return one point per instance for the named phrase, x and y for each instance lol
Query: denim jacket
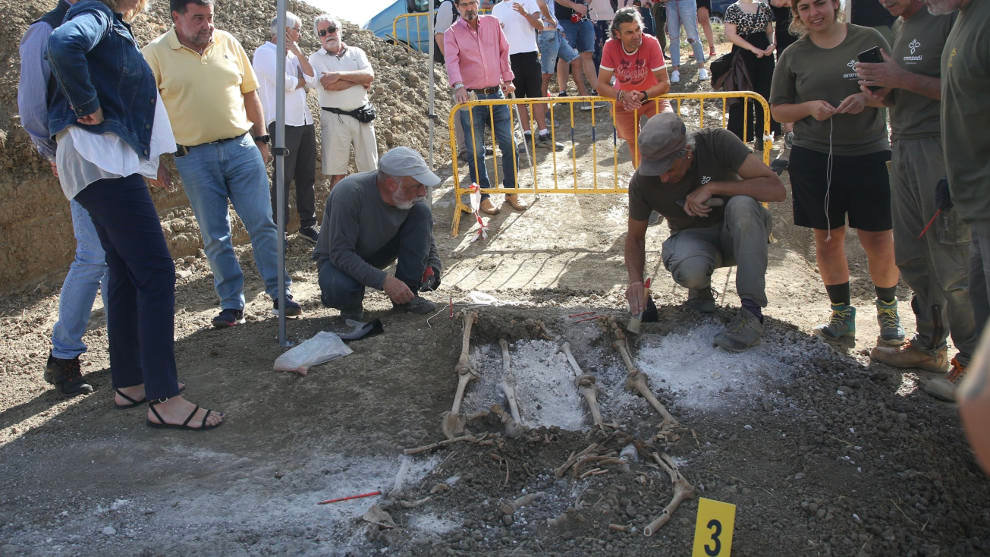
(97, 64)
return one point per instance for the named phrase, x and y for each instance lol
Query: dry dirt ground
(822, 452)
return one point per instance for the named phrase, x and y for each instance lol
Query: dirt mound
(34, 219)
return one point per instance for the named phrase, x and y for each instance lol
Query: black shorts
(528, 80)
(707, 4)
(860, 188)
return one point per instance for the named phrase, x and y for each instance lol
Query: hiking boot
(842, 324)
(309, 233)
(513, 201)
(417, 305)
(944, 388)
(701, 300)
(908, 355)
(292, 309)
(66, 376)
(891, 332)
(744, 332)
(228, 318)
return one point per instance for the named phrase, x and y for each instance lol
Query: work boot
(744, 332)
(66, 376)
(944, 388)
(909, 355)
(417, 305)
(701, 300)
(513, 201)
(841, 325)
(891, 332)
(488, 207)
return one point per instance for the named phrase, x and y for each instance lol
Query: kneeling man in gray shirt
(371, 220)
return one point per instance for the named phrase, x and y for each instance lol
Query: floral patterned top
(747, 23)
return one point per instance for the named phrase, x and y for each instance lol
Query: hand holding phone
(871, 56)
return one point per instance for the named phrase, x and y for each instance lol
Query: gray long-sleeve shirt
(358, 224)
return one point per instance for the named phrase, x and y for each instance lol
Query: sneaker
(908, 355)
(66, 376)
(944, 388)
(562, 94)
(744, 332)
(701, 300)
(309, 233)
(527, 137)
(842, 324)
(891, 332)
(418, 305)
(675, 76)
(544, 140)
(292, 309)
(228, 318)
(702, 74)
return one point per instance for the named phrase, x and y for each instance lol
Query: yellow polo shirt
(204, 95)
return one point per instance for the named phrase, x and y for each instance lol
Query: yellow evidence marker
(713, 528)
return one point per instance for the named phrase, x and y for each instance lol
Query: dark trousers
(141, 292)
(300, 167)
(411, 246)
(761, 72)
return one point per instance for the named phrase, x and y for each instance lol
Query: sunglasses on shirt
(327, 31)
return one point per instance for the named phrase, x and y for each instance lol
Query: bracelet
(618, 96)
(266, 139)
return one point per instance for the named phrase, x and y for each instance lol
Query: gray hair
(291, 20)
(624, 15)
(326, 18)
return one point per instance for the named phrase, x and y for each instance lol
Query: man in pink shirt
(636, 61)
(477, 55)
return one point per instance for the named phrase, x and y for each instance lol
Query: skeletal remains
(453, 421)
(636, 379)
(585, 383)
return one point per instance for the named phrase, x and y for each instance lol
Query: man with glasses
(300, 135)
(345, 76)
(477, 54)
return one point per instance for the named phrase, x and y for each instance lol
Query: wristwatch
(266, 139)
(458, 85)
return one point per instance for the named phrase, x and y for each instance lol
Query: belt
(183, 150)
(485, 90)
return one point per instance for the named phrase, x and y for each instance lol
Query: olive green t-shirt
(917, 48)
(806, 72)
(966, 111)
(718, 154)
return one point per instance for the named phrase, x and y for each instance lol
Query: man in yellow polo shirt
(210, 91)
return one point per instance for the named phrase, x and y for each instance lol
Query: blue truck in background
(413, 31)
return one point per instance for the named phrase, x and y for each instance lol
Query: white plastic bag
(323, 347)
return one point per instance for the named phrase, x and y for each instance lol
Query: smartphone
(871, 56)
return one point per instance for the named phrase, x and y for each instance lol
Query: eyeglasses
(327, 31)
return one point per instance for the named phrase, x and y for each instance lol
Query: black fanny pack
(363, 114)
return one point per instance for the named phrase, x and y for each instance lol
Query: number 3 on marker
(713, 529)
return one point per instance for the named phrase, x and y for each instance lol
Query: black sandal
(132, 403)
(161, 424)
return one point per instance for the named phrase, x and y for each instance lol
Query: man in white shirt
(300, 135)
(519, 20)
(345, 76)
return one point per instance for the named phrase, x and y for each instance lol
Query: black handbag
(363, 114)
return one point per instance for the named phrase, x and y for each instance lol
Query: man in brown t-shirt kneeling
(709, 187)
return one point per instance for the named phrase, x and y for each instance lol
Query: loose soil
(821, 451)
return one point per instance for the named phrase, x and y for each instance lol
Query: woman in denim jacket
(111, 127)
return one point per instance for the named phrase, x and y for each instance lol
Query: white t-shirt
(520, 34)
(444, 17)
(601, 10)
(352, 59)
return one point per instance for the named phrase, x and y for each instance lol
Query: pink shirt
(478, 59)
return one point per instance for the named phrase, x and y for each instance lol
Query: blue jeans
(232, 169)
(683, 12)
(553, 44)
(141, 292)
(503, 135)
(411, 246)
(87, 272)
(580, 35)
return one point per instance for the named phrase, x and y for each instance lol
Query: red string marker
(337, 500)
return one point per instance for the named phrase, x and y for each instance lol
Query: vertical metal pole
(430, 67)
(279, 152)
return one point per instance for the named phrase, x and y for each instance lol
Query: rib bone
(585, 384)
(683, 490)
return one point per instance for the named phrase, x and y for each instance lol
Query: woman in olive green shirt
(838, 162)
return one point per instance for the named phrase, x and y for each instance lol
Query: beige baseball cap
(661, 141)
(403, 161)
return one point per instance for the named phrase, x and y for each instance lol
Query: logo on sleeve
(913, 46)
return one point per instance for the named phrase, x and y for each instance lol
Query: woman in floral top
(749, 27)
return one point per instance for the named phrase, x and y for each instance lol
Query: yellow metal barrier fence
(422, 26)
(615, 186)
